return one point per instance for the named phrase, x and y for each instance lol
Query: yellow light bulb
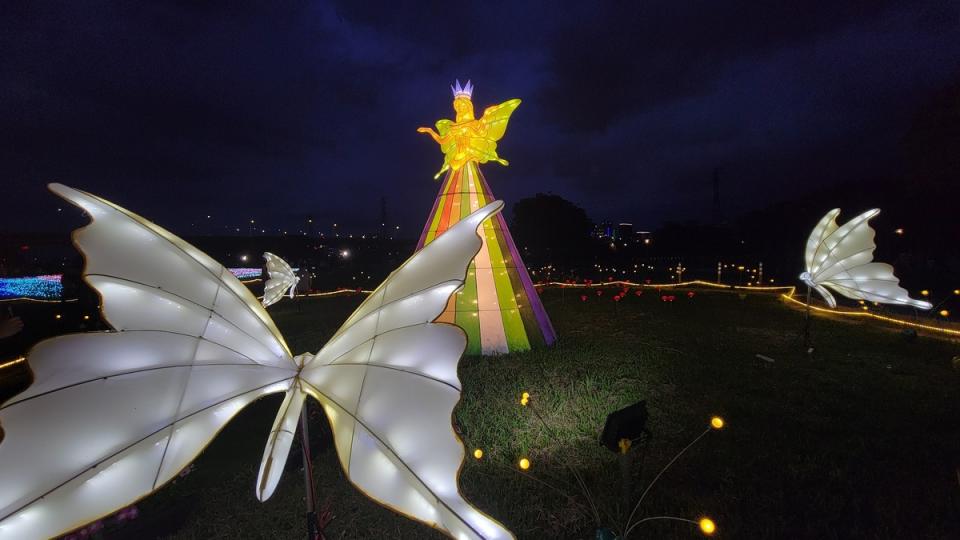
(525, 395)
(925, 293)
(707, 526)
(956, 291)
(58, 315)
(716, 422)
(478, 453)
(944, 313)
(524, 463)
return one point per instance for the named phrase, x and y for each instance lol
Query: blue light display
(49, 287)
(46, 287)
(245, 273)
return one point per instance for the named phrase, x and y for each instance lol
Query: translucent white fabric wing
(113, 416)
(388, 382)
(840, 258)
(282, 279)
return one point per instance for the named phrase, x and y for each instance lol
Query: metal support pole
(806, 325)
(313, 531)
(625, 484)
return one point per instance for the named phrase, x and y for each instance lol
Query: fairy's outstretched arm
(433, 134)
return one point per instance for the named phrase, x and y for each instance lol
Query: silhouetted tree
(549, 229)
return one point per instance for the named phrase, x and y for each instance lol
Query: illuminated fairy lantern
(113, 416)
(840, 258)
(499, 308)
(282, 280)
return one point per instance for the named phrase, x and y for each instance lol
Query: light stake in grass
(706, 525)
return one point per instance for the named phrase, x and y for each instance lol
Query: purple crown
(462, 91)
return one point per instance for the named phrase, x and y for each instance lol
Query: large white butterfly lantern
(113, 416)
(840, 258)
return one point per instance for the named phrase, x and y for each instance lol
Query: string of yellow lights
(788, 294)
(13, 362)
(869, 315)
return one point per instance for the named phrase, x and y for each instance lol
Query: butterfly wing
(495, 118)
(282, 279)
(815, 253)
(113, 416)
(843, 262)
(388, 383)
(873, 282)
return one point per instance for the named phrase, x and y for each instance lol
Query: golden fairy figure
(469, 139)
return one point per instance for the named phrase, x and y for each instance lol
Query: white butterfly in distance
(113, 416)
(282, 280)
(841, 258)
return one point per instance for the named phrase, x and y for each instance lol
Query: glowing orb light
(707, 526)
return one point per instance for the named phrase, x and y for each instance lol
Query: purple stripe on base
(433, 211)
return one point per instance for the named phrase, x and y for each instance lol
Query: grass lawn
(860, 441)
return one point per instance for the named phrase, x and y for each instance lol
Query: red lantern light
(690, 294)
(599, 292)
(583, 298)
(638, 292)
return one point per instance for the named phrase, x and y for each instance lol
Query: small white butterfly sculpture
(282, 280)
(841, 258)
(113, 416)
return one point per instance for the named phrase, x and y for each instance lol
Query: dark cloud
(278, 110)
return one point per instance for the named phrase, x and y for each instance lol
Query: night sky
(276, 110)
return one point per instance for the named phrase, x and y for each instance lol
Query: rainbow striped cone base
(498, 308)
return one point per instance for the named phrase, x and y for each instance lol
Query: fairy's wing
(843, 262)
(282, 279)
(495, 118)
(443, 126)
(388, 382)
(112, 416)
(449, 147)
